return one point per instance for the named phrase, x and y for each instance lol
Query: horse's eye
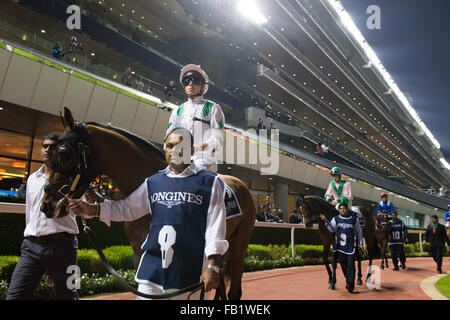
(65, 157)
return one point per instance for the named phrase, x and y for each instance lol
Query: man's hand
(90, 196)
(406, 241)
(210, 278)
(80, 207)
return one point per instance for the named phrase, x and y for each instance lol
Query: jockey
(447, 217)
(203, 118)
(385, 207)
(339, 189)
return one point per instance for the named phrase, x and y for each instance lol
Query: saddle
(358, 214)
(231, 204)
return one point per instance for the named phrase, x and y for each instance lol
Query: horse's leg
(235, 264)
(358, 257)
(370, 252)
(136, 232)
(326, 251)
(385, 255)
(334, 266)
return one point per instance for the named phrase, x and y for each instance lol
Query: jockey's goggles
(195, 80)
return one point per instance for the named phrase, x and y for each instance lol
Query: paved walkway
(311, 283)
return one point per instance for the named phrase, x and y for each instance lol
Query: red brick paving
(311, 283)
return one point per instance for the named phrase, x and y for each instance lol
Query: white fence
(302, 226)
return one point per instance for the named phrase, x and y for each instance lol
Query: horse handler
(49, 244)
(398, 235)
(348, 230)
(187, 233)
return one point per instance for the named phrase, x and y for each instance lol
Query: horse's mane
(326, 208)
(141, 142)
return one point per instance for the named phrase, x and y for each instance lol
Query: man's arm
(215, 243)
(405, 231)
(217, 123)
(331, 226)
(444, 235)
(379, 208)
(427, 233)
(391, 207)
(347, 191)
(329, 192)
(133, 207)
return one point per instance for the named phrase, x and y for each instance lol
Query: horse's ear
(63, 121)
(68, 119)
(299, 201)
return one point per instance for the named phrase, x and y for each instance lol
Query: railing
(19, 208)
(314, 227)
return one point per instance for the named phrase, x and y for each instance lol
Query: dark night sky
(413, 44)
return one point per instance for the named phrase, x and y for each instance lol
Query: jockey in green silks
(203, 118)
(339, 189)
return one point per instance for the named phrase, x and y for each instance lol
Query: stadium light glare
(249, 9)
(347, 21)
(445, 163)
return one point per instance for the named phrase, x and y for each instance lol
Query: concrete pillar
(280, 200)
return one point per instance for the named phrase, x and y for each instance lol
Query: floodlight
(249, 9)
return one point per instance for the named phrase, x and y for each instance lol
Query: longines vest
(345, 234)
(174, 249)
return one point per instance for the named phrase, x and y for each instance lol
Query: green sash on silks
(340, 188)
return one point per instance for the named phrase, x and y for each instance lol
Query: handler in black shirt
(437, 237)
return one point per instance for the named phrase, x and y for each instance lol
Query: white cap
(195, 67)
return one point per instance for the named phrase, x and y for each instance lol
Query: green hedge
(12, 226)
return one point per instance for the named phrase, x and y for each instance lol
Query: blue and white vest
(174, 249)
(345, 234)
(396, 232)
(385, 206)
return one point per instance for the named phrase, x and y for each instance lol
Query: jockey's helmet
(193, 70)
(336, 171)
(383, 194)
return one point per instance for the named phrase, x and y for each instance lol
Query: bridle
(79, 169)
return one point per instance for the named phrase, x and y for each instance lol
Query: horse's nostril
(44, 207)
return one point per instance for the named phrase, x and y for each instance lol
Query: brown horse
(382, 235)
(311, 207)
(128, 159)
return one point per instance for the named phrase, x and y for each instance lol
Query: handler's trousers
(397, 252)
(437, 252)
(54, 256)
(347, 262)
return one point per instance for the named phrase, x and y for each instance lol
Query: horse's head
(71, 166)
(306, 211)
